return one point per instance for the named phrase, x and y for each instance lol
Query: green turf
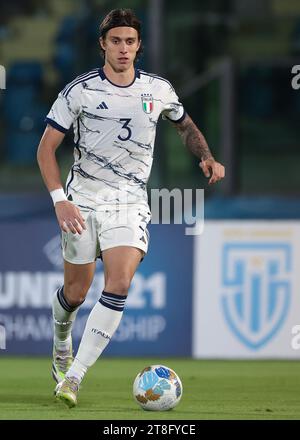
(212, 390)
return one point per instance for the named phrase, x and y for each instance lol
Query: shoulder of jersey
(152, 77)
(80, 80)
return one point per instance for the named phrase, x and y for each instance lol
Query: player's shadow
(28, 400)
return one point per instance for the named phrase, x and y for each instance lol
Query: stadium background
(231, 292)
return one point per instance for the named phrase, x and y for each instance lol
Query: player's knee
(75, 293)
(118, 285)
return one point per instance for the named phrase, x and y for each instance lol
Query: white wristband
(58, 195)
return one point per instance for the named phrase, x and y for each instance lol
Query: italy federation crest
(147, 102)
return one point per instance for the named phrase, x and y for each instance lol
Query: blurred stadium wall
(230, 63)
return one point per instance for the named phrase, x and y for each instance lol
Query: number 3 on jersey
(125, 127)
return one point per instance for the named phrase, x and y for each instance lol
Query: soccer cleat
(62, 360)
(67, 390)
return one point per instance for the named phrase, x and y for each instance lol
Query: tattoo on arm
(193, 139)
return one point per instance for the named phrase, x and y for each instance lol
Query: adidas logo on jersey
(102, 106)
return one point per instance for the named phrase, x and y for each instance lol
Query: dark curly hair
(120, 17)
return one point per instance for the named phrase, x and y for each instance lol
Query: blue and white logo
(256, 290)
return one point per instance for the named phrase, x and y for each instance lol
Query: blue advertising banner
(157, 315)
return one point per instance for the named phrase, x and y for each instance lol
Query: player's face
(121, 45)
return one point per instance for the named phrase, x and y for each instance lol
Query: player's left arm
(194, 140)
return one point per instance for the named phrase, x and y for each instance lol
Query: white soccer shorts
(105, 230)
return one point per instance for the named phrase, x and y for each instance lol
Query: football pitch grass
(211, 390)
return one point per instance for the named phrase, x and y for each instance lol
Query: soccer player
(104, 209)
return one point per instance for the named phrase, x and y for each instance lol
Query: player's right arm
(68, 215)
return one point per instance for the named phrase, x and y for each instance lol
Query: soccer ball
(157, 388)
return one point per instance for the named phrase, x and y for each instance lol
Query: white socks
(63, 316)
(101, 324)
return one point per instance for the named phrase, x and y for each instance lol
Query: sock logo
(100, 332)
(62, 322)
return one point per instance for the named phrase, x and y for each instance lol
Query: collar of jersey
(103, 77)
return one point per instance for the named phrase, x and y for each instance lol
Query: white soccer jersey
(114, 130)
